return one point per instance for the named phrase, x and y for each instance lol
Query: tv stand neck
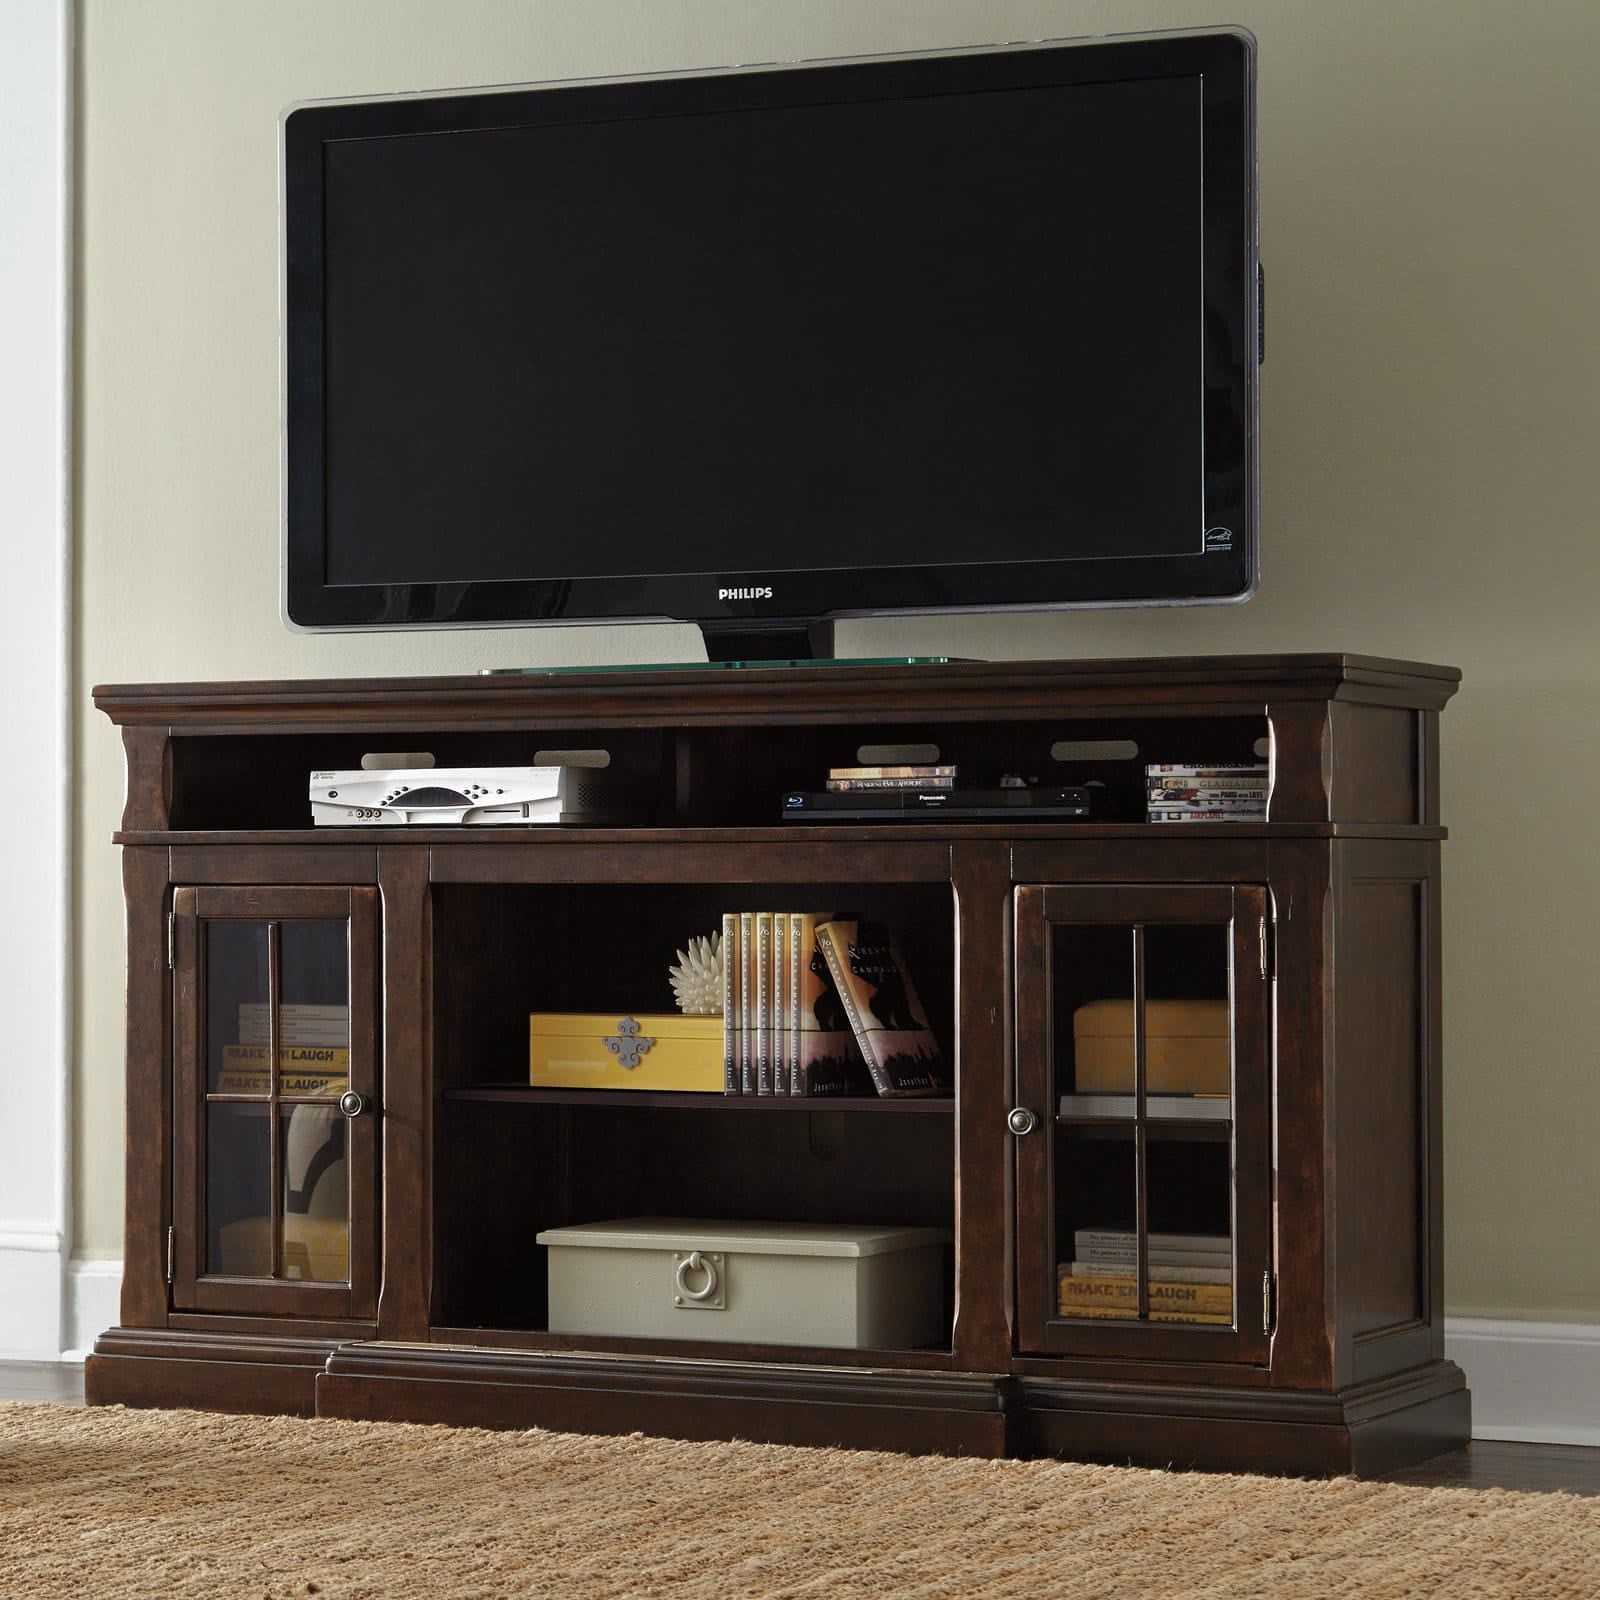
(740, 639)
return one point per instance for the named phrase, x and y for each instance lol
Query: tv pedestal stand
(761, 643)
(417, 1292)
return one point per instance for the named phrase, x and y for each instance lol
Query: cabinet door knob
(1021, 1121)
(353, 1103)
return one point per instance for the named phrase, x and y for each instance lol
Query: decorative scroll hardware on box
(697, 1281)
(631, 1045)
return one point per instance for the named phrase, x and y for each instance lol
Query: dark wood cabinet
(1190, 1168)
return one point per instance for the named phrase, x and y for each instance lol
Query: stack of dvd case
(1222, 792)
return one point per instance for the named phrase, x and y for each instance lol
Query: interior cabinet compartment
(503, 1172)
(732, 775)
(511, 1161)
(738, 777)
(243, 781)
(503, 951)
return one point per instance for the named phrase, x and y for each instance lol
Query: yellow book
(1122, 1294)
(303, 1069)
(1219, 1319)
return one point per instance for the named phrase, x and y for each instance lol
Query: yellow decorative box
(1186, 1051)
(643, 1050)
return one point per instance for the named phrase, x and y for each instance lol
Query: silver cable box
(432, 797)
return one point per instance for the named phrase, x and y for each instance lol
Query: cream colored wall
(1431, 420)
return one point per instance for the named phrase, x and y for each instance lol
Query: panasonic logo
(744, 594)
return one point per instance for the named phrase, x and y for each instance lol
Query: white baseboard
(1537, 1381)
(94, 1299)
(30, 1293)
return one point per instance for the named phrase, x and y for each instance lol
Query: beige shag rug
(112, 1504)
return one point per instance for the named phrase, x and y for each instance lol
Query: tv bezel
(1223, 60)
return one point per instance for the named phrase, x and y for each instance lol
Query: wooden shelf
(521, 1093)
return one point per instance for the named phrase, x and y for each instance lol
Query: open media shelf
(1183, 1204)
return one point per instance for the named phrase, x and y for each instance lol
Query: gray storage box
(825, 1284)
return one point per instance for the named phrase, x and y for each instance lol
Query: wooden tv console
(1315, 933)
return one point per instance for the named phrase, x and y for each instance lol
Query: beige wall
(1431, 421)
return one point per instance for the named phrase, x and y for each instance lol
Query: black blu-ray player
(1040, 803)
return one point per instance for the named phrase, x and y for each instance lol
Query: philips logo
(744, 594)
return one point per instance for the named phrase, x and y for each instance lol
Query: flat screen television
(768, 346)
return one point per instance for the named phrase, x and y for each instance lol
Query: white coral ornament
(697, 978)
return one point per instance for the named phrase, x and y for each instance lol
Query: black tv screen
(961, 331)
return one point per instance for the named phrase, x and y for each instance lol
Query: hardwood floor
(1487, 1464)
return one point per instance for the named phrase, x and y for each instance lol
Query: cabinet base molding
(919, 1413)
(265, 1373)
(1366, 1429)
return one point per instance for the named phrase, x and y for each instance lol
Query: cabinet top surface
(963, 687)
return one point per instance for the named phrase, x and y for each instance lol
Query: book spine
(1218, 1319)
(762, 1022)
(1238, 783)
(322, 1057)
(747, 1060)
(730, 1003)
(834, 959)
(1216, 769)
(1123, 1293)
(917, 773)
(1208, 816)
(795, 995)
(779, 1018)
(856, 785)
(1207, 797)
(302, 1070)
(1205, 1244)
(1123, 1269)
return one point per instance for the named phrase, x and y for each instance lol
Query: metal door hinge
(169, 1254)
(172, 938)
(1266, 1301)
(1268, 943)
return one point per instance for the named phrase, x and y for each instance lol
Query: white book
(1188, 1243)
(1157, 1274)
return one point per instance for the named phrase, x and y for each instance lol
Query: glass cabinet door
(1143, 1155)
(274, 1206)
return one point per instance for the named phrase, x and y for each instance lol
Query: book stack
(313, 1051)
(1175, 792)
(816, 1004)
(850, 780)
(1190, 1276)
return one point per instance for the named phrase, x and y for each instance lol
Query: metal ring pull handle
(695, 1262)
(352, 1103)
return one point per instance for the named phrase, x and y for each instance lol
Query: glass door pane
(1133, 1008)
(316, 1195)
(238, 995)
(238, 1178)
(278, 1057)
(1097, 1212)
(314, 1013)
(275, 1078)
